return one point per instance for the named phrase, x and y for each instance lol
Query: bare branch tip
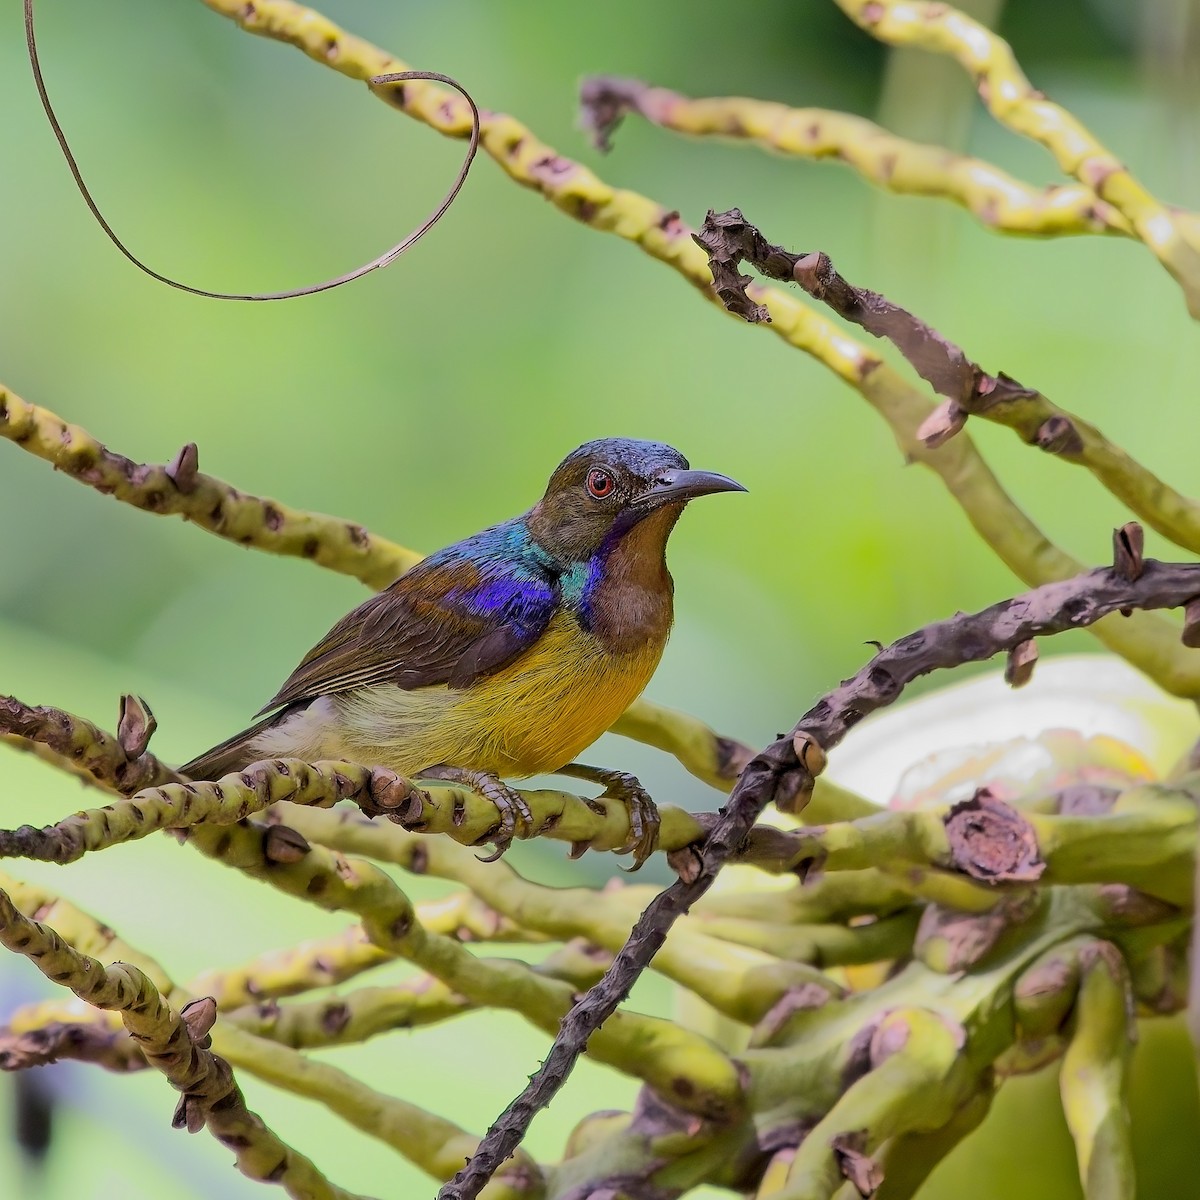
(200, 1016)
(184, 467)
(135, 726)
(604, 101)
(284, 845)
(1058, 435)
(1018, 668)
(992, 842)
(946, 420)
(809, 751)
(1128, 545)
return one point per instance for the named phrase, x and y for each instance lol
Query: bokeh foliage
(432, 398)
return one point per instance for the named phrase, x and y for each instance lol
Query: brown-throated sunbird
(507, 653)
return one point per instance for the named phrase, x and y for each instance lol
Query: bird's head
(608, 487)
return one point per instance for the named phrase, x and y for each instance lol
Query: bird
(506, 654)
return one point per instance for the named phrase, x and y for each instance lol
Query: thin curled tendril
(326, 285)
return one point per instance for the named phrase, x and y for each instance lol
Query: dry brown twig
(783, 775)
(729, 240)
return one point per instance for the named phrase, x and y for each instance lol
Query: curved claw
(644, 826)
(516, 818)
(501, 844)
(644, 821)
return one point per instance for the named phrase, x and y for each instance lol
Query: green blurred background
(433, 398)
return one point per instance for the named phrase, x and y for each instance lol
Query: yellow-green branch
(178, 489)
(998, 200)
(291, 970)
(183, 805)
(1014, 102)
(740, 981)
(1094, 1073)
(366, 1012)
(77, 745)
(208, 1093)
(707, 755)
(916, 1088)
(464, 815)
(1147, 841)
(969, 390)
(648, 1048)
(432, 1143)
(1150, 643)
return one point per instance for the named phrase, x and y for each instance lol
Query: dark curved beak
(674, 487)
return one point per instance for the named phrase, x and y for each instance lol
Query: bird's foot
(644, 821)
(516, 819)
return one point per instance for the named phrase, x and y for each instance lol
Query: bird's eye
(600, 484)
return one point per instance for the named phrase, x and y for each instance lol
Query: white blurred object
(1081, 718)
(1095, 695)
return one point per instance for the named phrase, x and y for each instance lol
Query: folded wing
(450, 620)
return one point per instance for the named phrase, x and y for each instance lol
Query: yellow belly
(533, 716)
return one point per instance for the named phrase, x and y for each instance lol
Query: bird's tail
(233, 754)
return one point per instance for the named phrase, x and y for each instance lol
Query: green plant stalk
(805, 1044)
(682, 1067)
(649, 1048)
(1147, 841)
(183, 805)
(339, 957)
(244, 996)
(916, 1089)
(209, 1095)
(1147, 641)
(889, 937)
(432, 1143)
(469, 817)
(1015, 103)
(909, 1160)
(1031, 415)
(798, 1077)
(366, 1012)
(774, 922)
(738, 981)
(202, 500)
(463, 815)
(1093, 1075)
(418, 1135)
(707, 755)
(820, 899)
(600, 824)
(995, 198)
(292, 970)
(166, 800)
(1193, 977)
(1170, 512)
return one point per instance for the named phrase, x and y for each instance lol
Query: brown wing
(449, 621)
